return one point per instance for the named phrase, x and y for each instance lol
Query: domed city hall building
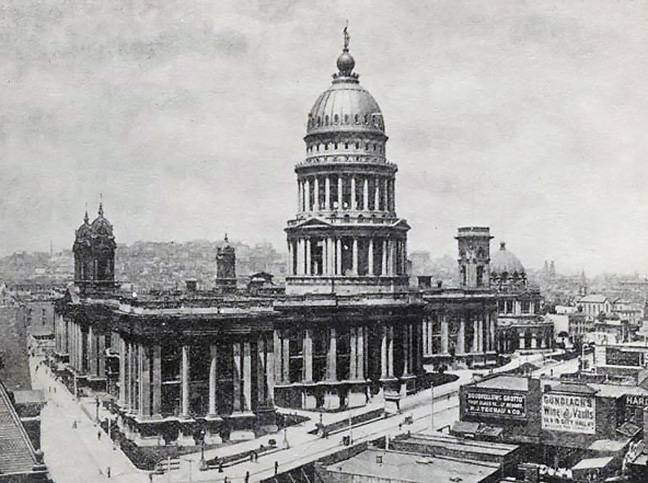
(196, 366)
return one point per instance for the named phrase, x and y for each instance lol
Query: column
(385, 194)
(285, 343)
(331, 360)
(365, 194)
(492, 331)
(289, 271)
(331, 255)
(236, 378)
(316, 203)
(213, 358)
(122, 372)
(353, 356)
(406, 349)
(271, 362)
(475, 343)
(390, 353)
(339, 192)
(308, 256)
(145, 381)
(327, 193)
(370, 256)
(384, 270)
(376, 194)
(277, 356)
(184, 410)
(361, 353)
(444, 334)
(307, 202)
(101, 356)
(353, 193)
(308, 355)
(427, 336)
(157, 380)
(247, 376)
(461, 335)
(338, 255)
(354, 268)
(262, 395)
(92, 353)
(383, 353)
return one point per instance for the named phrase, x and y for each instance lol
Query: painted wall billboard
(496, 404)
(567, 412)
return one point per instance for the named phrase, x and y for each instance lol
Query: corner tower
(346, 236)
(94, 252)
(474, 256)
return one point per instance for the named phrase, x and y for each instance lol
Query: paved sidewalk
(76, 455)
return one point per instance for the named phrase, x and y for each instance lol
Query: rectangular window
(525, 306)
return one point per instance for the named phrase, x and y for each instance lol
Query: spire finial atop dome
(100, 211)
(502, 245)
(226, 240)
(345, 61)
(86, 218)
(347, 37)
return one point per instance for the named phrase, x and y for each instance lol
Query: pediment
(313, 222)
(401, 223)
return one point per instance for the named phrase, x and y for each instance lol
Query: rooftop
(511, 383)
(589, 463)
(16, 451)
(408, 467)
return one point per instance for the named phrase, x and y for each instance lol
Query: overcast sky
(530, 117)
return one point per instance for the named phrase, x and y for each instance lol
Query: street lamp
(203, 463)
(431, 405)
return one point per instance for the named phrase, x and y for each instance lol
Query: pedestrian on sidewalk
(247, 477)
(74, 424)
(99, 435)
(276, 467)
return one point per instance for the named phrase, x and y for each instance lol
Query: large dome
(504, 261)
(345, 106)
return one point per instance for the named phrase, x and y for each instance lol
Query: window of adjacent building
(525, 306)
(509, 306)
(480, 276)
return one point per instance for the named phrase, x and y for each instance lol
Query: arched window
(326, 120)
(366, 118)
(374, 146)
(319, 121)
(336, 119)
(346, 119)
(326, 146)
(346, 145)
(357, 145)
(336, 146)
(356, 119)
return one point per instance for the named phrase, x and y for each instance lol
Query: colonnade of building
(525, 338)
(468, 333)
(349, 255)
(363, 192)
(314, 360)
(84, 347)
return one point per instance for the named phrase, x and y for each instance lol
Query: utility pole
(432, 405)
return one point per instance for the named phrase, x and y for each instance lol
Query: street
(93, 456)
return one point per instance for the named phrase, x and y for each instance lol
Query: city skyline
(524, 118)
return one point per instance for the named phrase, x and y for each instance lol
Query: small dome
(504, 261)
(101, 225)
(84, 232)
(345, 63)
